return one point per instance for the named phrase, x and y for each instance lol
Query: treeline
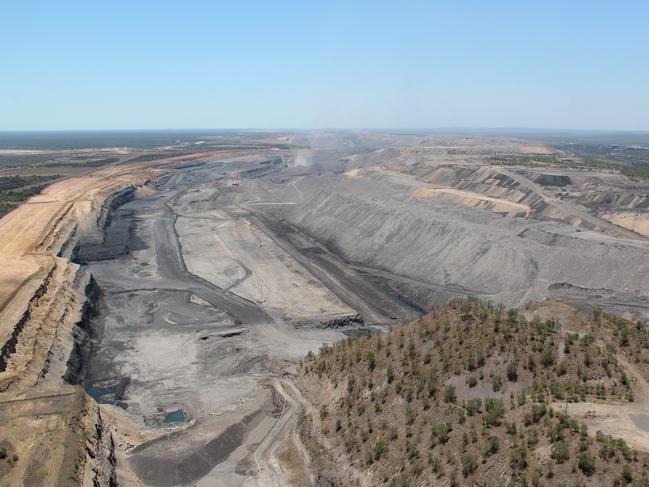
(633, 171)
(16, 189)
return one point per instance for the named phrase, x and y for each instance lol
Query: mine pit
(209, 287)
(185, 295)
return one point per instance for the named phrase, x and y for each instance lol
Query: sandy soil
(637, 222)
(470, 199)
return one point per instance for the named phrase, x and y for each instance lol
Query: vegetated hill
(475, 395)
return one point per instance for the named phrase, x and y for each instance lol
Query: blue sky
(346, 64)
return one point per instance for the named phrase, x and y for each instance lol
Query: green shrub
(449, 394)
(587, 463)
(547, 357)
(473, 406)
(518, 457)
(493, 445)
(390, 374)
(538, 411)
(497, 383)
(379, 449)
(436, 465)
(469, 464)
(440, 433)
(494, 411)
(627, 474)
(432, 385)
(560, 452)
(512, 371)
(371, 361)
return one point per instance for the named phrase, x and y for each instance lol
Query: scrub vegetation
(16, 189)
(638, 171)
(473, 394)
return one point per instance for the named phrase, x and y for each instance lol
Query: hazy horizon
(440, 129)
(371, 65)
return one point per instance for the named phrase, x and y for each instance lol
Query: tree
(495, 410)
(440, 432)
(587, 463)
(493, 444)
(547, 357)
(379, 449)
(390, 374)
(473, 406)
(560, 452)
(449, 393)
(432, 385)
(512, 371)
(627, 474)
(518, 457)
(469, 464)
(371, 362)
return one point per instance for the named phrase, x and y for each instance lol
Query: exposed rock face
(42, 344)
(82, 335)
(59, 437)
(54, 429)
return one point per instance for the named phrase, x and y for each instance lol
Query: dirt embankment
(53, 433)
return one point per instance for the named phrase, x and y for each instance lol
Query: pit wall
(47, 351)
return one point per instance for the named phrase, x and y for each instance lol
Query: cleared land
(181, 285)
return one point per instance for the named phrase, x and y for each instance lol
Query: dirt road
(271, 471)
